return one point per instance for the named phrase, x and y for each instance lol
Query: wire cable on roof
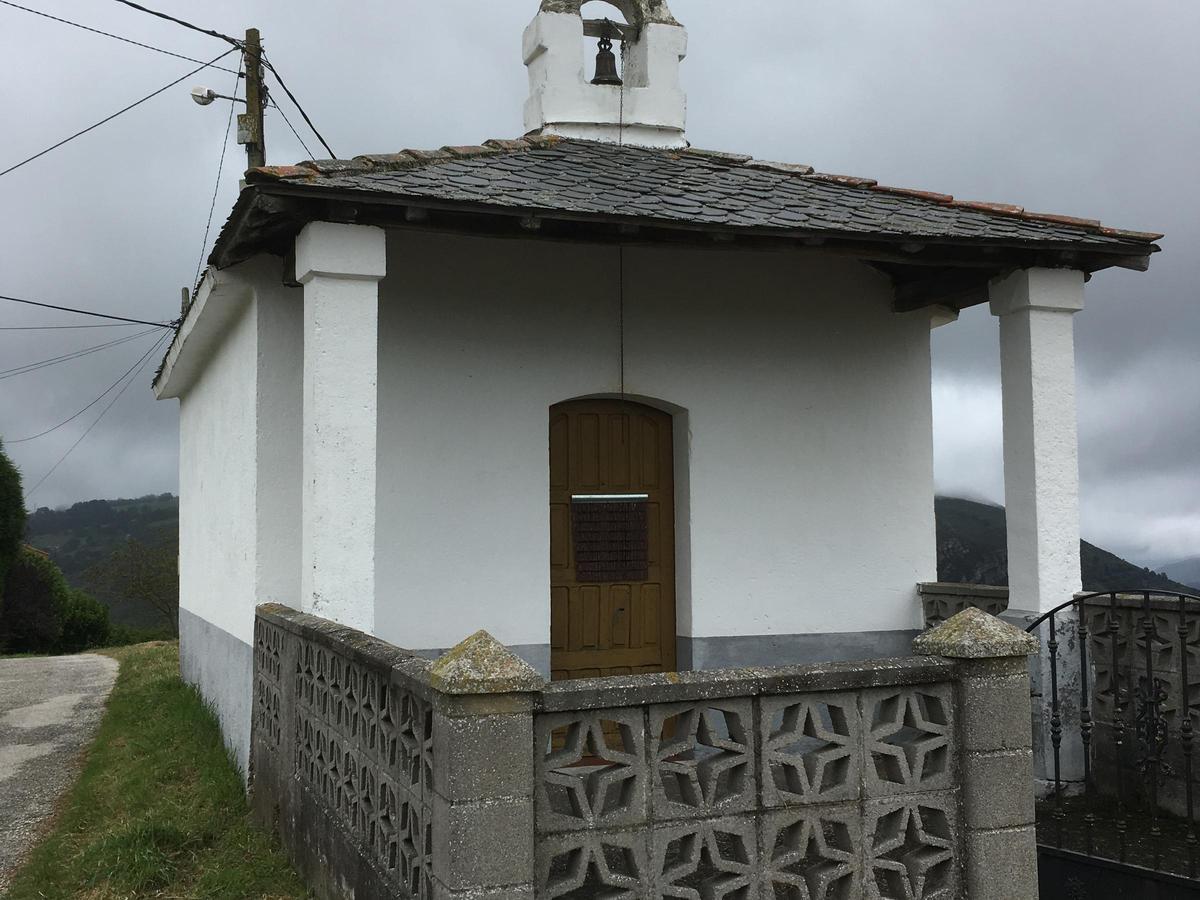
(104, 394)
(216, 187)
(165, 87)
(95, 421)
(68, 357)
(87, 312)
(162, 15)
(296, 103)
(108, 34)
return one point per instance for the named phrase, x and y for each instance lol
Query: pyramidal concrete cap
(973, 634)
(482, 665)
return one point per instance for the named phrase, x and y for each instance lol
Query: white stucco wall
(217, 481)
(807, 497)
(239, 386)
(239, 467)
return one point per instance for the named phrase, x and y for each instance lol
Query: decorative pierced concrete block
(813, 854)
(590, 769)
(910, 744)
(594, 864)
(911, 848)
(703, 757)
(810, 748)
(713, 859)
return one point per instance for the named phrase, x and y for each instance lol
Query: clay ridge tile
(261, 174)
(1148, 236)
(847, 180)
(932, 196)
(1003, 209)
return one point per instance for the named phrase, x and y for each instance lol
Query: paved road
(49, 710)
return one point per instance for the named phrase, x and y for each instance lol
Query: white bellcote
(648, 109)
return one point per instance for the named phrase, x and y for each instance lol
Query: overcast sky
(1084, 107)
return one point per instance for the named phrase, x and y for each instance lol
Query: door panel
(611, 624)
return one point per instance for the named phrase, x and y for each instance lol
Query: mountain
(971, 539)
(82, 535)
(973, 548)
(1185, 570)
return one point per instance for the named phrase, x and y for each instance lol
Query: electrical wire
(162, 15)
(67, 357)
(286, 121)
(95, 421)
(295, 102)
(106, 392)
(216, 187)
(87, 312)
(108, 34)
(56, 327)
(114, 115)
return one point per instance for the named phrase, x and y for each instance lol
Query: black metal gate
(1119, 683)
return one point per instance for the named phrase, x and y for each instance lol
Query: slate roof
(693, 188)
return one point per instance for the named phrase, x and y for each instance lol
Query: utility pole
(250, 123)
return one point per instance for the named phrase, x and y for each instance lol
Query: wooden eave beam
(955, 288)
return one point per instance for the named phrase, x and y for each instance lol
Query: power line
(287, 122)
(95, 422)
(108, 34)
(106, 392)
(216, 187)
(117, 113)
(56, 327)
(87, 312)
(67, 357)
(162, 15)
(295, 102)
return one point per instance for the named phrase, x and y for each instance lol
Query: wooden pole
(250, 123)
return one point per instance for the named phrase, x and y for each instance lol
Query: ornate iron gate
(1120, 686)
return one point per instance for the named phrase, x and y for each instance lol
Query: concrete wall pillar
(482, 805)
(1041, 458)
(340, 267)
(999, 839)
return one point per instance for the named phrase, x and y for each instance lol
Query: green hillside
(970, 537)
(972, 548)
(87, 533)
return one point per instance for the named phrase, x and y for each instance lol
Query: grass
(158, 810)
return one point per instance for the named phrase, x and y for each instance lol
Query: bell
(606, 64)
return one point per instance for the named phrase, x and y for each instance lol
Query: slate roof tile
(695, 186)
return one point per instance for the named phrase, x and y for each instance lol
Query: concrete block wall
(387, 775)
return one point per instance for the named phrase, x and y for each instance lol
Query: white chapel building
(628, 405)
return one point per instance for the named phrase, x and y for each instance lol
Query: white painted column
(1041, 454)
(340, 267)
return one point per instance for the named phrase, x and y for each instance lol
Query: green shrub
(34, 604)
(12, 515)
(85, 624)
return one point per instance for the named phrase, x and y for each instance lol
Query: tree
(12, 514)
(35, 602)
(143, 573)
(85, 624)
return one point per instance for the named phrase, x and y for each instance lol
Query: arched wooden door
(612, 540)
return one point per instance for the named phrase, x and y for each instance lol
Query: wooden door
(612, 540)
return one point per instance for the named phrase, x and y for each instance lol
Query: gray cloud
(1073, 106)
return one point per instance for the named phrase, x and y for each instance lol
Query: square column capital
(1051, 289)
(335, 250)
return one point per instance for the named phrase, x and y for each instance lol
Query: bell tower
(640, 102)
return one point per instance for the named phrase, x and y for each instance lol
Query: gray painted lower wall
(222, 669)
(790, 649)
(754, 650)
